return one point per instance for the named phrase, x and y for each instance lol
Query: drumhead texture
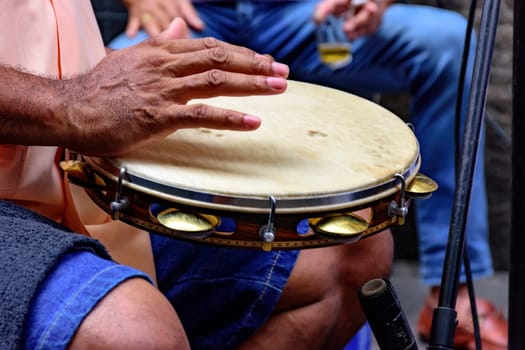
(313, 141)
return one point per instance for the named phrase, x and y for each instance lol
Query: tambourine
(320, 159)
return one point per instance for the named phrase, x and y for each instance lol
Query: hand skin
(364, 21)
(136, 95)
(155, 15)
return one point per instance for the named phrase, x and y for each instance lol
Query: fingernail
(275, 83)
(280, 69)
(251, 122)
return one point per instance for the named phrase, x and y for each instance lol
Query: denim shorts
(67, 295)
(222, 295)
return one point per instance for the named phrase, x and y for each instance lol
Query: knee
(370, 258)
(435, 34)
(448, 40)
(135, 315)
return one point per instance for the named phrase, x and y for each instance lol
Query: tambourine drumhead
(317, 149)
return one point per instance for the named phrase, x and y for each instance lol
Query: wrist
(30, 109)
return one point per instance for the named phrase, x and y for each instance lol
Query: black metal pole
(517, 238)
(444, 320)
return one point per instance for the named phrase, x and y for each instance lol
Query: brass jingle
(188, 224)
(421, 186)
(347, 227)
(82, 174)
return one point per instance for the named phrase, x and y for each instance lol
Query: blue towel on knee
(30, 245)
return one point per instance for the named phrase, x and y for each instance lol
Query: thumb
(177, 29)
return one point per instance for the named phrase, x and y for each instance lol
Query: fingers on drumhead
(203, 115)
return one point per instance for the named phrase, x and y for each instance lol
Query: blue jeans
(72, 289)
(416, 50)
(222, 295)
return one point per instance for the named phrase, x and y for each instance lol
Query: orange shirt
(53, 38)
(58, 39)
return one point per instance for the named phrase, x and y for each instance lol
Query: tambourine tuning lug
(120, 203)
(267, 232)
(118, 207)
(267, 235)
(400, 211)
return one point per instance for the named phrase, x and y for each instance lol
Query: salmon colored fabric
(57, 39)
(52, 38)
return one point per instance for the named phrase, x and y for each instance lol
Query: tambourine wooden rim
(285, 205)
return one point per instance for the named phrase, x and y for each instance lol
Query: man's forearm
(30, 109)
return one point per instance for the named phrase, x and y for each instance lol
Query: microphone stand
(444, 317)
(517, 239)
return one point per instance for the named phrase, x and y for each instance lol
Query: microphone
(387, 320)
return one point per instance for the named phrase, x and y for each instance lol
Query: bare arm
(136, 95)
(31, 109)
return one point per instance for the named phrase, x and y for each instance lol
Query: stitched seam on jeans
(237, 278)
(72, 298)
(250, 310)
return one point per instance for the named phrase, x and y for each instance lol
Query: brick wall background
(498, 131)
